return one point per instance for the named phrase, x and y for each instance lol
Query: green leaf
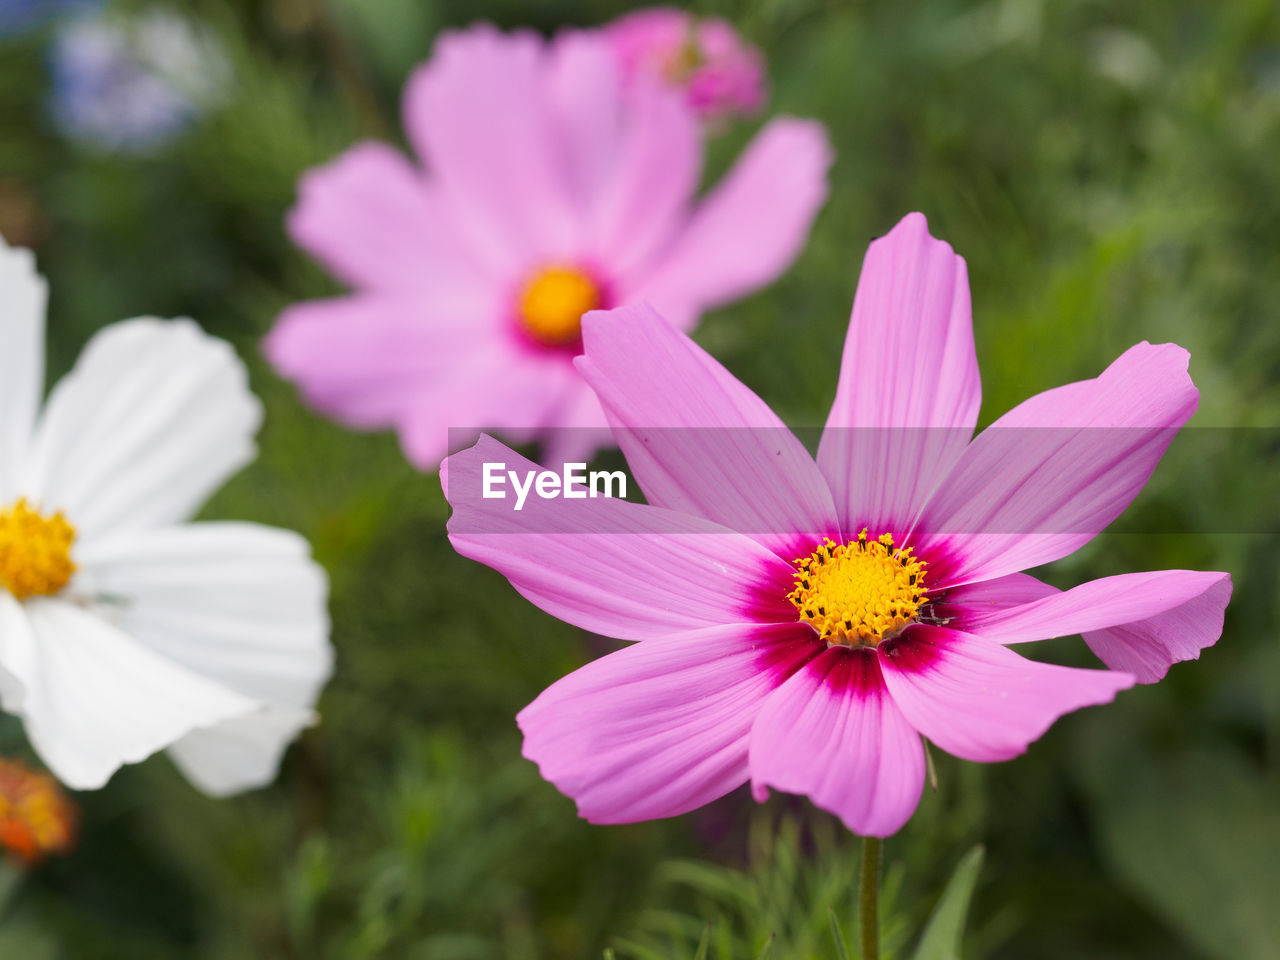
(837, 934)
(704, 944)
(767, 949)
(945, 930)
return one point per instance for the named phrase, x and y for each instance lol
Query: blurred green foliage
(1109, 172)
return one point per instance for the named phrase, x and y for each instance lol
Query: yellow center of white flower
(35, 551)
(859, 593)
(552, 304)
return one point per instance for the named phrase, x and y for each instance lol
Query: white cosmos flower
(125, 629)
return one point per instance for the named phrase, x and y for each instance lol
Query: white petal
(17, 652)
(239, 603)
(22, 301)
(241, 754)
(100, 699)
(153, 418)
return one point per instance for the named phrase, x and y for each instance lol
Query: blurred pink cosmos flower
(548, 190)
(803, 625)
(704, 57)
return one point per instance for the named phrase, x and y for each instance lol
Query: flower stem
(870, 925)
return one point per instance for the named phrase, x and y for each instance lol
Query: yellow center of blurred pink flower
(35, 551)
(684, 60)
(861, 592)
(552, 304)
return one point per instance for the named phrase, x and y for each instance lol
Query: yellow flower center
(859, 593)
(35, 551)
(684, 60)
(553, 302)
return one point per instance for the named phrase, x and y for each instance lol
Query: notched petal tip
(600, 324)
(910, 237)
(1148, 648)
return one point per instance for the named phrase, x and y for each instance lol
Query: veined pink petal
(621, 569)
(698, 440)
(974, 603)
(1047, 477)
(909, 387)
(833, 733)
(1147, 648)
(1139, 623)
(979, 700)
(479, 114)
(660, 728)
(374, 221)
(750, 228)
(1098, 604)
(645, 202)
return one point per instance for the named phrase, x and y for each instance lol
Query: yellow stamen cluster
(35, 551)
(684, 60)
(36, 818)
(552, 304)
(859, 593)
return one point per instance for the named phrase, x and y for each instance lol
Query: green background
(1109, 171)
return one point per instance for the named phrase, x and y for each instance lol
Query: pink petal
(367, 358)
(909, 388)
(733, 79)
(582, 429)
(479, 114)
(377, 360)
(374, 221)
(751, 227)
(1098, 604)
(645, 203)
(620, 569)
(979, 700)
(1147, 648)
(974, 603)
(1052, 473)
(661, 727)
(585, 91)
(833, 733)
(1140, 623)
(730, 78)
(518, 394)
(699, 441)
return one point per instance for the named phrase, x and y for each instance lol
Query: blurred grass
(1108, 171)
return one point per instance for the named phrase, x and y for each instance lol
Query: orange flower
(36, 816)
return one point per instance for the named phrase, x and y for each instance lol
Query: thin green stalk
(870, 898)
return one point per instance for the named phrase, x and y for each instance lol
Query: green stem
(871, 898)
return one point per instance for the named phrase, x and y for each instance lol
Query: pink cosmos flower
(705, 57)
(802, 625)
(547, 190)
